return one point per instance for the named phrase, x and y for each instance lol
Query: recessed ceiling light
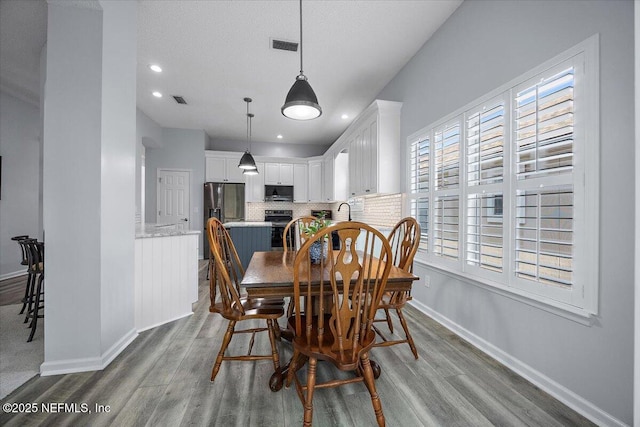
(157, 94)
(344, 116)
(279, 136)
(155, 68)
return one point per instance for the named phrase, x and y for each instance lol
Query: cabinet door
(370, 174)
(272, 173)
(300, 188)
(286, 174)
(329, 194)
(355, 165)
(234, 173)
(315, 181)
(254, 191)
(215, 169)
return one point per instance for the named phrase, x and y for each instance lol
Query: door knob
(185, 219)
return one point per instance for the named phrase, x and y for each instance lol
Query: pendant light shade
(301, 102)
(246, 161)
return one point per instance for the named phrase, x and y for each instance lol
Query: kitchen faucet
(345, 203)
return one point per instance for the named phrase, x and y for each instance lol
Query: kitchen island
(249, 237)
(166, 274)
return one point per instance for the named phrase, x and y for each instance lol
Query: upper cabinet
(315, 180)
(254, 190)
(278, 174)
(373, 143)
(223, 167)
(300, 177)
(328, 187)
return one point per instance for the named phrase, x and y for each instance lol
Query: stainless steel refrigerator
(224, 201)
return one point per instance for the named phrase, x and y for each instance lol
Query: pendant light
(246, 162)
(301, 102)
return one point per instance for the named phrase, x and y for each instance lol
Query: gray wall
(268, 149)
(482, 46)
(181, 149)
(20, 208)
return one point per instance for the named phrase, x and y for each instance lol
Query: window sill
(566, 311)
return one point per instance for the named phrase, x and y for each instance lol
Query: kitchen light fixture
(157, 94)
(344, 116)
(301, 102)
(246, 162)
(156, 68)
(279, 136)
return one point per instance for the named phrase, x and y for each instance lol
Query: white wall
(148, 134)
(181, 149)
(20, 206)
(89, 183)
(482, 46)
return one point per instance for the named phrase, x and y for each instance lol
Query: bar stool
(28, 289)
(24, 254)
(35, 300)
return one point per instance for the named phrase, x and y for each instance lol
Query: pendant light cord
(301, 73)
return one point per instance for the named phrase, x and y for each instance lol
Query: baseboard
(12, 275)
(564, 395)
(71, 366)
(173, 319)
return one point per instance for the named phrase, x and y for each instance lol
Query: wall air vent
(179, 99)
(284, 45)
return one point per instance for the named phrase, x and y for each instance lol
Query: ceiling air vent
(179, 99)
(284, 45)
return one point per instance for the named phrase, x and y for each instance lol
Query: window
(505, 188)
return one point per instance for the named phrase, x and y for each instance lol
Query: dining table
(270, 275)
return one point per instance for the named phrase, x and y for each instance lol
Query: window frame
(581, 300)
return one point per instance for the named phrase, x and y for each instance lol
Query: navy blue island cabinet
(249, 238)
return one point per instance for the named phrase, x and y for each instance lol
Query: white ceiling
(215, 53)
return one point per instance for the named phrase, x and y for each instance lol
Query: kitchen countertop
(160, 230)
(247, 224)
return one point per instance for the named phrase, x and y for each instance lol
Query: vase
(317, 251)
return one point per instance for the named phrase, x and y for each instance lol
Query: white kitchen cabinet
(315, 181)
(374, 150)
(254, 189)
(223, 167)
(300, 186)
(328, 187)
(278, 173)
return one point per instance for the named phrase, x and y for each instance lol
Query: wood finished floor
(162, 379)
(12, 290)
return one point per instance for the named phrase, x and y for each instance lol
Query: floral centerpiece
(320, 247)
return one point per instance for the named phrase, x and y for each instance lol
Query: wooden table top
(270, 274)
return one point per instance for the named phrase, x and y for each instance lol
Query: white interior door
(173, 198)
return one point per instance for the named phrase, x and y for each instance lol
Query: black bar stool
(28, 289)
(35, 299)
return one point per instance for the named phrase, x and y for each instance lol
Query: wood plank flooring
(162, 379)
(12, 290)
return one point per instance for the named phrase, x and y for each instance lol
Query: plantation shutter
(544, 196)
(446, 226)
(485, 231)
(419, 186)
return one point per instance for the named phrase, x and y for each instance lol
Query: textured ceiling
(215, 53)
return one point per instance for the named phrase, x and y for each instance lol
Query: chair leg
(31, 285)
(26, 294)
(292, 368)
(223, 348)
(274, 349)
(389, 322)
(311, 385)
(371, 386)
(403, 322)
(36, 309)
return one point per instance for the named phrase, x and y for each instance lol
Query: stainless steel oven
(279, 220)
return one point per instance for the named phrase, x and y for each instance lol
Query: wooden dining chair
(293, 235)
(335, 324)
(404, 240)
(224, 282)
(293, 238)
